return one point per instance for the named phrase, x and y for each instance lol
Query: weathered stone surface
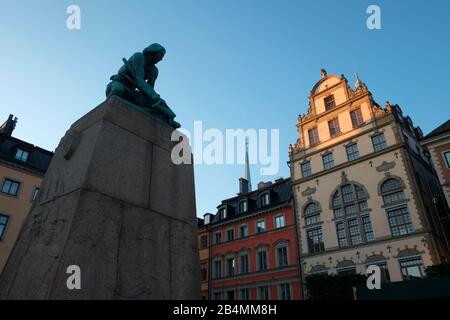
(181, 186)
(113, 204)
(182, 247)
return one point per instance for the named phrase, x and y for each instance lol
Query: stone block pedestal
(114, 204)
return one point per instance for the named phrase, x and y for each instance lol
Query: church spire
(247, 167)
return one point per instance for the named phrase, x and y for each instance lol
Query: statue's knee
(115, 88)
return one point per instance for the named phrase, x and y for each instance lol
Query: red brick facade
(277, 278)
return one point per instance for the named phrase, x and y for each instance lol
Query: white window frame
(446, 156)
(281, 215)
(256, 226)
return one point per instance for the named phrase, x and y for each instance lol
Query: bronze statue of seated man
(135, 82)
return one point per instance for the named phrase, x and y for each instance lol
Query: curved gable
(325, 83)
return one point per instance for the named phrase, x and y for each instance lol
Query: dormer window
(265, 201)
(223, 213)
(329, 102)
(243, 206)
(21, 155)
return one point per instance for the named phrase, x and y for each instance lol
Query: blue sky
(229, 63)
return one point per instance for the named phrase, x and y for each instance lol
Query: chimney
(263, 184)
(243, 186)
(8, 126)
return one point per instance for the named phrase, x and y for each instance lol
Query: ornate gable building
(363, 187)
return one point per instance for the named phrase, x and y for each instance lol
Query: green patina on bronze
(135, 83)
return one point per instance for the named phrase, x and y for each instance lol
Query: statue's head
(154, 53)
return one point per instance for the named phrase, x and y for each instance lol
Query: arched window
(392, 191)
(312, 213)
(314, 230)
(262, 258)
(282, 254)
(351, 212)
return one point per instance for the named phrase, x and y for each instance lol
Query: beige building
(438, 144)
(363, 186)
(22, 168)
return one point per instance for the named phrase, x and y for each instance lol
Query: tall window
(351, 212)
(282, 256)
(218, 237)
(313, 135)
(265, 201)
(3, 222)
(333, 125)
(398, 216)
(230, 234)
(285, 291)
(356, 117)
(315, 240)
(245, 294)
(352, 152)
(244, 264)
(279, 221)
(354, 231)
(217, 269)
(260, 226)
(378, 142)
(204, 242)
(329, 102)
(204, 271)
(10, 187)
(243, 231)
(261, 259)
(243, 206)
(412, 268)
(263, 293)
(367, 225)
(21, 155)
(328, 161)
(229, 267)
(447, 158)
(306, 169)
(312, 214)
(223, 213)
(341, 234)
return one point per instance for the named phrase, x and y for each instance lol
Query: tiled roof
(445, 127)
(280, 193)
(38, 158)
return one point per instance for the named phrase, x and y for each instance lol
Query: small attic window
(223, 213)
(21, 155)
(265, 200)
(243, 207)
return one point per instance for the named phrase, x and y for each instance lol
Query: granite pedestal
(114, 204)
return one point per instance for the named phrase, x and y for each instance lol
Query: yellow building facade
(22, 168)
(362, 186)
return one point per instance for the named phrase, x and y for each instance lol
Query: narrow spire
(358, 83)
(247, 167)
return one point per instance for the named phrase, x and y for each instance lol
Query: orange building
(254, 252)
(22, 168)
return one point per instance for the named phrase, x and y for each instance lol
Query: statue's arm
(136, 64)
